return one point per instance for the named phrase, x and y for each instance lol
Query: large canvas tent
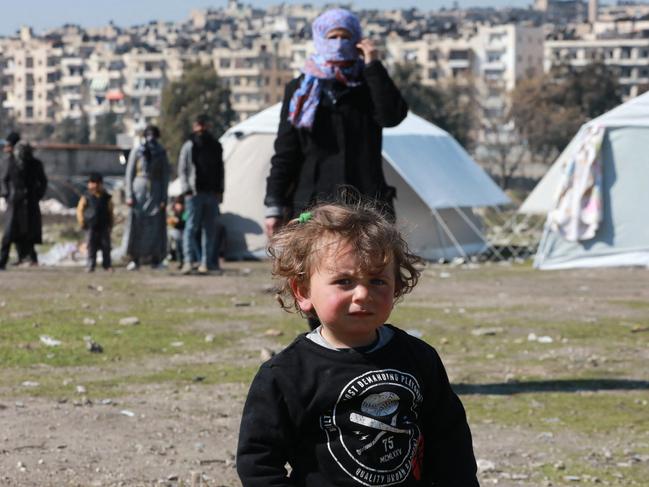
(437, 183)
(622, 235)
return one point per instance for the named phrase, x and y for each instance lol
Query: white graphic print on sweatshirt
(372, 430)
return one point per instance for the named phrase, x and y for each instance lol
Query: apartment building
(438, 59)
(31, 77)
(105, 82)
(72, 88)
(508, 53)
(256, 75)
(630, 56)
(498, 55)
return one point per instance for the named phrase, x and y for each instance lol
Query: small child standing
(176, 222)
(95, 215)
(355, 402)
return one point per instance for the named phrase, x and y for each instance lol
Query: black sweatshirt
(344, 418)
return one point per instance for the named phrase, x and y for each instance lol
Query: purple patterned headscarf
(306, 98)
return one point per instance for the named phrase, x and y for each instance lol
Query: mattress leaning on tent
(438, 186)
(622, 236)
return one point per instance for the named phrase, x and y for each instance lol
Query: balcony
(459, 63)
(156, 74)
(494, 66)
(143, 91)
(72, 80)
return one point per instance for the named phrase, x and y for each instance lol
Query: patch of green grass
(20, 343)
(597, 467)
(62, 386)
(633, 304)
(585, 413)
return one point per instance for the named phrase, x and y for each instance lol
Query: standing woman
(23, 184)
(147, 179)
(330, 131)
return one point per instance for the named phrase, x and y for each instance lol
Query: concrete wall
(70, 160)
(67, 167)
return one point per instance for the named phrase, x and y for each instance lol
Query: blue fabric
(305, 100)
(202, 213)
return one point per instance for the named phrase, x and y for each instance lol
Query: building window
(29, 62)
(458, 55)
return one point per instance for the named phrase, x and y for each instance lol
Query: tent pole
(477, 231)
(448, 232)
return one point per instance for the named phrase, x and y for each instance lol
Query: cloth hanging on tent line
(578, 209)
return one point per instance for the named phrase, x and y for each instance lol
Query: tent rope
(448, 233)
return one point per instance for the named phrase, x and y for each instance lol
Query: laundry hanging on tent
(578, 209)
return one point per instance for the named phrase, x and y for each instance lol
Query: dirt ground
(568, 412)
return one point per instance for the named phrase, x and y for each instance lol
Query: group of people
(355, 401)
(193, 216)
(194, 212)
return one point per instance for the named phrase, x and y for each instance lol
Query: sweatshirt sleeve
(111, 213)
(81, 206)
(287, 160)
(130, 172)
(389, 106)
(448, 449)
(265, 435)
(165, 176)
(183, 167)
(220, 165)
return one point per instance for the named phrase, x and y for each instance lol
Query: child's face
(350, 303)
(93, 186)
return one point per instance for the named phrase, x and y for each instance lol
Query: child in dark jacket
(355, 402)
(176, 223)
(95, 215)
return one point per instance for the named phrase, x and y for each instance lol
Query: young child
(95, 215)
(176, 222)
(355, 402)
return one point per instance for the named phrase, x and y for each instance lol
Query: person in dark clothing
(200, 168)
(95, 215)
(356, 402)
(330, 131)
(23, 184)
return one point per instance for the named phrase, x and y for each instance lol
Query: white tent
(437, 183)
(622, 237)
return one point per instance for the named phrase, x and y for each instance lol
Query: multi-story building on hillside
(629, 56)
(256, 75)
(31, 77)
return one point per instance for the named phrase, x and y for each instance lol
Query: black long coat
(23, 184)
(342, 148)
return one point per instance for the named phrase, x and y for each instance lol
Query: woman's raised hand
(368, 49)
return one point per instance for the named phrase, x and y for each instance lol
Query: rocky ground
(551, 367)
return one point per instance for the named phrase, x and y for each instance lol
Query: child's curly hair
(294, 249)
